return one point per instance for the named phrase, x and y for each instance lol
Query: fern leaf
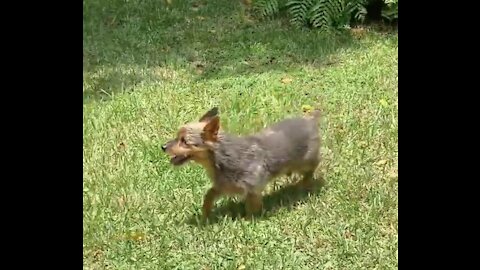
(298, 10)
(266, 8)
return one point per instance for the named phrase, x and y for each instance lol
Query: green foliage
(329, 14)
(326, 15)
(299, 11)
(390, 11)
(266, 8)
(359, 10)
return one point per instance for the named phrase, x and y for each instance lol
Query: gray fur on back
(289, 145)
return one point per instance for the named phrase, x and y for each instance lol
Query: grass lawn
(149, 68)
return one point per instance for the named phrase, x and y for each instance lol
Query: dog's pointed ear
(209, 115)
(210, 131)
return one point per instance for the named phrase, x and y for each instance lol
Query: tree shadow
(286, 197)
(145, 35)
(110, 83)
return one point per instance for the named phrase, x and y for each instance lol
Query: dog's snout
(164, 147)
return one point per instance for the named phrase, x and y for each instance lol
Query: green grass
(149, 68)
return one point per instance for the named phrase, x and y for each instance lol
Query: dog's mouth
(179, 160)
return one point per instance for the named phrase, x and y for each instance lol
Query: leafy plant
(322, 14)
(299, 11)
(359, 10)
(268, 8)
(326, 15)
(390, 10)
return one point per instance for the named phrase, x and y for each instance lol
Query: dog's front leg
(209, 201)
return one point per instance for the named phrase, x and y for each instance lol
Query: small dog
(243, 165)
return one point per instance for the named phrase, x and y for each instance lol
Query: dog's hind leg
(253, 203)
(308, 181)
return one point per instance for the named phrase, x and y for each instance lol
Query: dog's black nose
(164, 147)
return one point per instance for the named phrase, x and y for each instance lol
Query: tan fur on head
(194, 140)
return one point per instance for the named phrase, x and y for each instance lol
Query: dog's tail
(315, 115)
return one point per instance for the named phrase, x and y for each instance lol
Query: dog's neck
(207, 161)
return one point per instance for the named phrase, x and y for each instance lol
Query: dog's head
(194, 140)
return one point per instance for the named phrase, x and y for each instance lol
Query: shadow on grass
(208, 42)
(285, 197)
(111, 82)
